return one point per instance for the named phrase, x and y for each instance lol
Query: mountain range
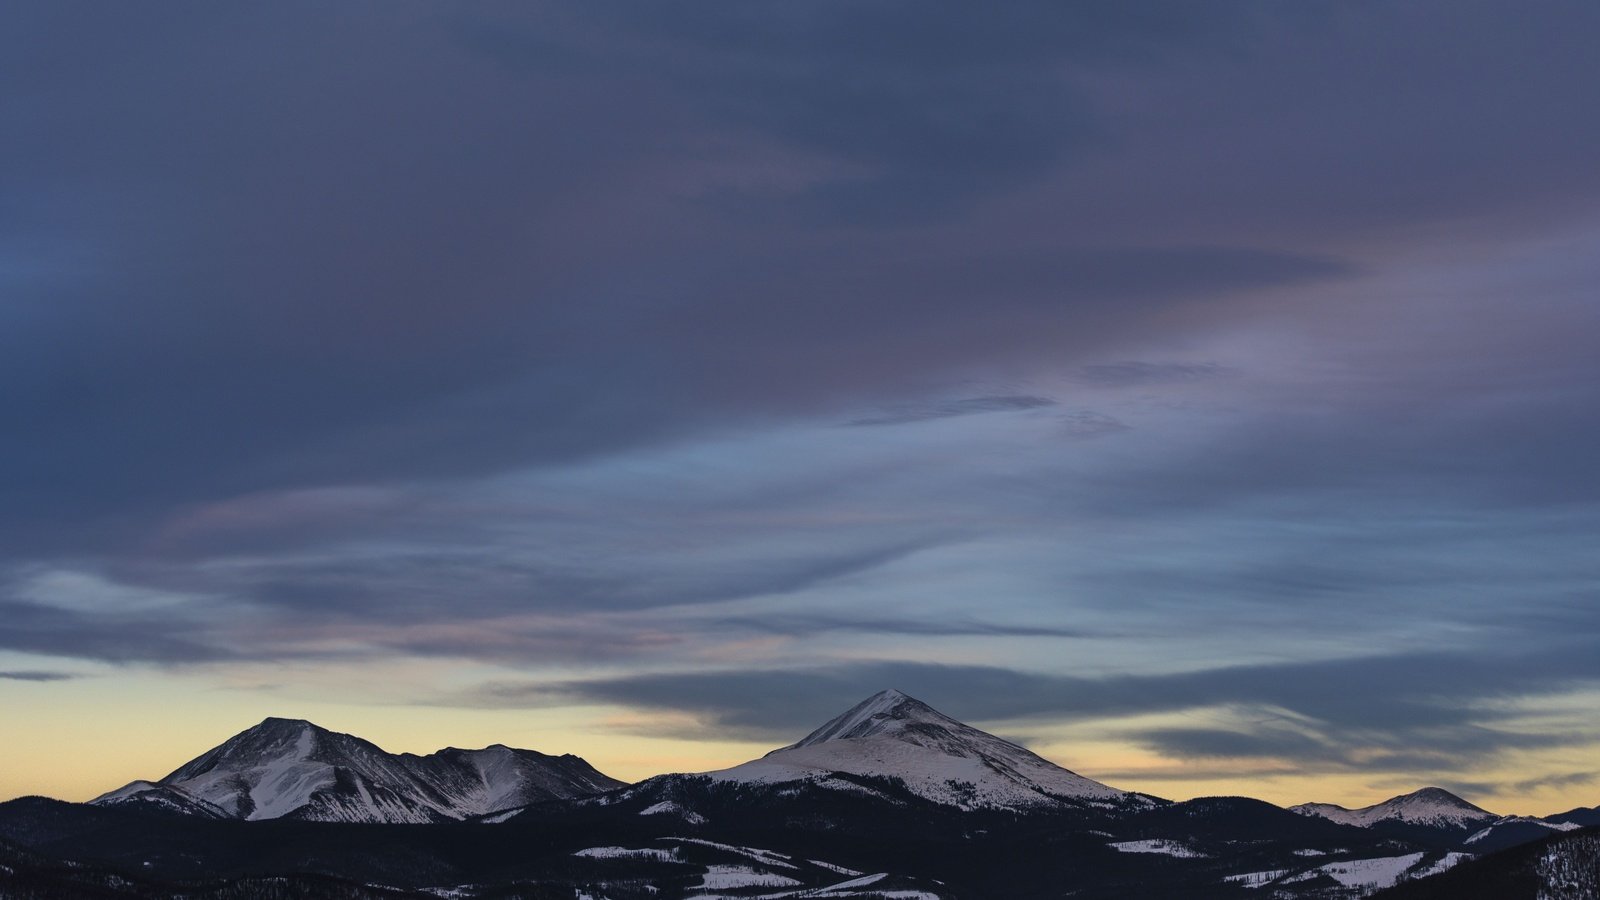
(1436, 814)
(292, 768)
(890, 798)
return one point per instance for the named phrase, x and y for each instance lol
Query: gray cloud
(1561, 781)
(966, 406)
(1135, 373)
(319, 318)
(1088, 423)
(792, 624)
(546, 349)
(1424, 751)
(408, 603)
(1417, 712)
(116, 637)
(38, 676)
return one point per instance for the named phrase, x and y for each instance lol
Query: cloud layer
(1235, 357)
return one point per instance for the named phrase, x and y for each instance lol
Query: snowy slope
(149, 794)
(1510, 830)
(893, 735)
(1430, 807)
(290, 767)
(709, 870)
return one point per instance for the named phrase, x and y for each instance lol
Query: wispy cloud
(1138, 374)
(38, 676)
(1412, 712)
(1561, 780)
(949, 409)
(387, 373)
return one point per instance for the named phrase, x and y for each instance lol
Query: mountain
(1583, 816)
(1438, 817)
(894, 736)
(890, 798)
(1559, 867)
(1431, 808)
(154, 795)
(1509, 831)
(290, 768)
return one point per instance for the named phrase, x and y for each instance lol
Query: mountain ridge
(295, 768)
(1432, 807)
(890, 785)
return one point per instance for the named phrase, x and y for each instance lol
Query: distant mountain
(894, 736)
(1586, 817)
(290, 768)
(1436, 816)
(1430, 807)
(889, 798)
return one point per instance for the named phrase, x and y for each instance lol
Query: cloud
(967, 406)
(1416, 712)
(1559, 781)
(409, 339)
(921, 109)
(38, 676)
(1088, 423)
(315, 322)
(1424, 750)
(1138, 374)
(115, 637)
(802, 624)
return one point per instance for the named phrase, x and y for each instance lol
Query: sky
(1204, 395)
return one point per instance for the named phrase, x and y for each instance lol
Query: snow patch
(769, 857)
(667, 807)
(1442, 864)
(1519, 820)
(833, 868)
(721, 878)
(1257, 879)
(1163, 847)
(629, 853)
(1366, 874)
(857, 882)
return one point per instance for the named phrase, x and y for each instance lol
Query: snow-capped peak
(1431, 806)
(291, 767)
(896, 736)
(886, 712)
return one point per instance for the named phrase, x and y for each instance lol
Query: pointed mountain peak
(896, 736)
(884, 712)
